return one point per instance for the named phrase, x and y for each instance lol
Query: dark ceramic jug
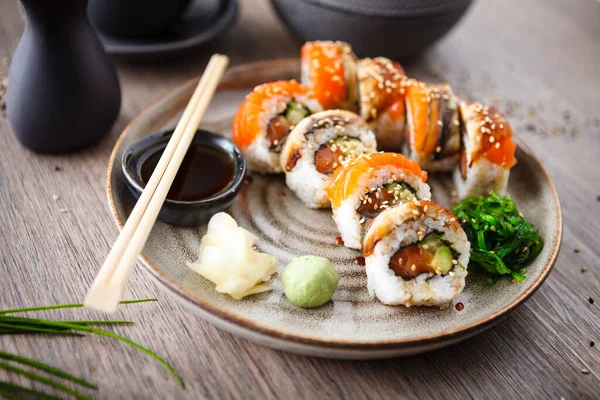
(63, 92)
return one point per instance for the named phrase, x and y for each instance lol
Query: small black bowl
(397, 29)
(133, 18)
(183, 213)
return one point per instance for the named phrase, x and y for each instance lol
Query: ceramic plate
(351, 326)
(202, 21)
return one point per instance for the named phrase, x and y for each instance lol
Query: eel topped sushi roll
(381, 85)
(265, 118)
(317, 146)
(488, 151)
(432, 131)
(329, 69)
(416, 254)
(368, 185)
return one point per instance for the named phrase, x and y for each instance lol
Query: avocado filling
(431, 255)
(381, 198)
(281, 125)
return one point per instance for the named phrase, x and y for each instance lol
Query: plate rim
(206, 306)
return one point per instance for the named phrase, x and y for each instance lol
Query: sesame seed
(413, 267)
(454, 262)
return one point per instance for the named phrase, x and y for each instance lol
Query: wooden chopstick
(106, 291)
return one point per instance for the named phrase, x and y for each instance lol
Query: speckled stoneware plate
(351, 326)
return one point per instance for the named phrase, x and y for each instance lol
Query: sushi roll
(488, 151)
(317, 146)
(381, 85)
(329, 69)
(416, 254)
(266, 117)
(432, 131)
(368, 185)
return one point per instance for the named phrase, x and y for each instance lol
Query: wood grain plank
(535, 59)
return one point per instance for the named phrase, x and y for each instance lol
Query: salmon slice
(249, 121)
(423, 104)
(346, 179)
(325, 65)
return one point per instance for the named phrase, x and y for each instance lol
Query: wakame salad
(502, 240)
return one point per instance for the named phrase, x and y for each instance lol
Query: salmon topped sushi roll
(329, 69)
(317, 146)
(368, 185)
(488, 151)
(265, 118)
(432, 132)
(416, 254)
(381, 85)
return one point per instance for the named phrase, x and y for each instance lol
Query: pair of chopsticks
(106, 291)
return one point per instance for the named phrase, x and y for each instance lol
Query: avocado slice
(442, 254)
(442, 260)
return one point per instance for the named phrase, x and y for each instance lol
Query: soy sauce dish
(210, 177)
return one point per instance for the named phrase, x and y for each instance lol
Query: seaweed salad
(502, 240)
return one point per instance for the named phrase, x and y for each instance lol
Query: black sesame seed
(576, 250)
(592, 343)
(591, 300)
(57, 168)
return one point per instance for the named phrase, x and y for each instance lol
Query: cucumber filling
(331, 155)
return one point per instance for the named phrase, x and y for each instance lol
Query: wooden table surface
(537, 60)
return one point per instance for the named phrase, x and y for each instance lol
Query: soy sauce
(204, 172)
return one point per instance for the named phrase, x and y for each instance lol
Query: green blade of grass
(20, 328)
(99, 322)
(44, 380)
(60, 306)
(102, 332)
(47, 368)
(21, 389)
